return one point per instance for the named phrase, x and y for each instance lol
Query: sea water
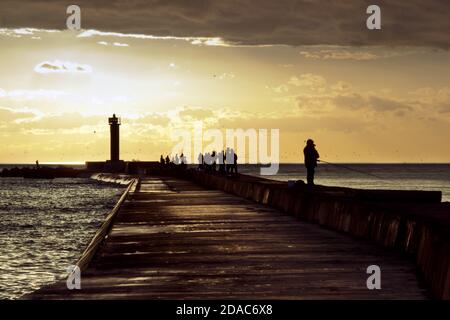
(435, 177)
(45, 225)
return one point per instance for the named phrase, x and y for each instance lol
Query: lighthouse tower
(114, 164)
(114, 125)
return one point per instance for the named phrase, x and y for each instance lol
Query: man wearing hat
(311, 158)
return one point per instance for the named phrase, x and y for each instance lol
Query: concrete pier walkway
(173, 239)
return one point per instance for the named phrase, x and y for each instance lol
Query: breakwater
(102, 232)
(412, 222)
(174, 239)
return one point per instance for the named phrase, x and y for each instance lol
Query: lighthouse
(114, 125)
(114, 164)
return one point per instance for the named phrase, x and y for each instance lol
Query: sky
(308, 69)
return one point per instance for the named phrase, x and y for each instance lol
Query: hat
(310, 142)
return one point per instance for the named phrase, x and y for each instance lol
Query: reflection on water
(44, 227)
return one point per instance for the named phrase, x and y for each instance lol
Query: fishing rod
(351, 169)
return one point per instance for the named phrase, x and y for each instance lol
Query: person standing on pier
(224, 161)
(213, 161)
(228, 160)
(311, 159)
(201, 161)
(234, 165)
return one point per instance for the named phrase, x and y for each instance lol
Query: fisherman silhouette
(167, 159)
(311, 158)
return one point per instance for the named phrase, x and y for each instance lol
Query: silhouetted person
(167, 160)
(232, 161)
(37, 164)
(213, 160)
(235, 165)
(207, 162)
(311, 158)
(222, 159)
(229, 160)
(161, 160)
(182, 158)
(200, 160)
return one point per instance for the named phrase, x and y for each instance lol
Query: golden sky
(365, 103)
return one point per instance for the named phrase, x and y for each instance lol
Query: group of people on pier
(224, 162)
(176, 160)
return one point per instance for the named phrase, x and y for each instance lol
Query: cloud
(31, 120)
(309, 81)
(15, 115)
(248, 22)
(187, 117)
(295, 123)
(31, 94)
(208, 41)
(433, 98)
(369, 101)
(281, 88)
(61, 121)
(336, 100)
(153, 119)
(356, 53)
(115, 44)
(58, 66)
(313, 95)
(22, 32)
(339, 54)
(195, 113)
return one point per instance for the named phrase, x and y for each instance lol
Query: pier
(210, 237)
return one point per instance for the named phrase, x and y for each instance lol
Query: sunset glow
(374, 103)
